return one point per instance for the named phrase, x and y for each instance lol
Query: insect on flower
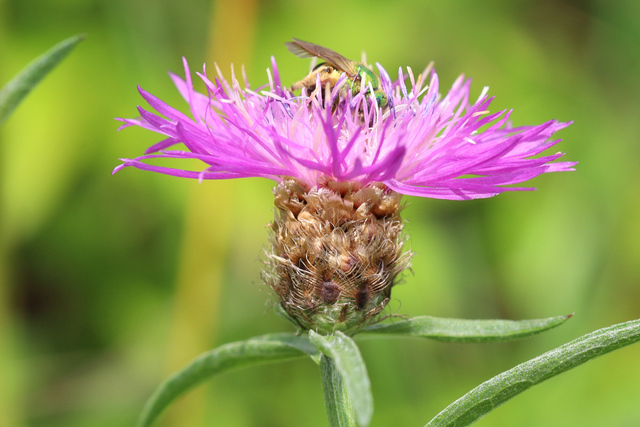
(329, 72)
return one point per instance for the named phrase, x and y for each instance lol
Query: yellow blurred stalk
(208, 223)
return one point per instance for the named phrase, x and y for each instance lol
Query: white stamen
(270, 78)
(424, 89)
(411, 79)
(428, 69)
(244, 77)
(218, 71)
(483, 93)
(274, 96)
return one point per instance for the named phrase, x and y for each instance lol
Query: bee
(331, 70)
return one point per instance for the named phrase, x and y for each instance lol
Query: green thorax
(371, 83)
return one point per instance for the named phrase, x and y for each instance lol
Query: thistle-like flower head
(425, 144)
(341, 163)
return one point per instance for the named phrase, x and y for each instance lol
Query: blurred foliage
(89, 262)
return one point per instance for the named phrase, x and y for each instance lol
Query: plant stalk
(339, 408)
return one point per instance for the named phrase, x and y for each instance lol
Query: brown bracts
(336, 253)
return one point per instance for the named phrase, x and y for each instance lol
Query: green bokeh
(90, 260)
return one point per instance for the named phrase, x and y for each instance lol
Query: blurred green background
(110, 283)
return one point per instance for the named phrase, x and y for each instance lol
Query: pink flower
(424, 144)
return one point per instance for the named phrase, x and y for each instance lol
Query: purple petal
(425, 145)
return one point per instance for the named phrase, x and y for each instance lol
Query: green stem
(339, 408)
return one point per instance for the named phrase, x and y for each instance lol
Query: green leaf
(465, 331)
(255, 351)
(14, 92)
(493, 393)
(344, 353)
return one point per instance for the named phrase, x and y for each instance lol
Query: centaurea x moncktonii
(341, 164)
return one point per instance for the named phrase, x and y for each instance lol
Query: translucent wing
(304, 49)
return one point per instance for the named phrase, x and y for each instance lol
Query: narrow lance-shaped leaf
(344, 352)
(14, 92)
(465, 331)
(255, 351)
(491, 394)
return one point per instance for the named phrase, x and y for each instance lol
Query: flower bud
(336, 252)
